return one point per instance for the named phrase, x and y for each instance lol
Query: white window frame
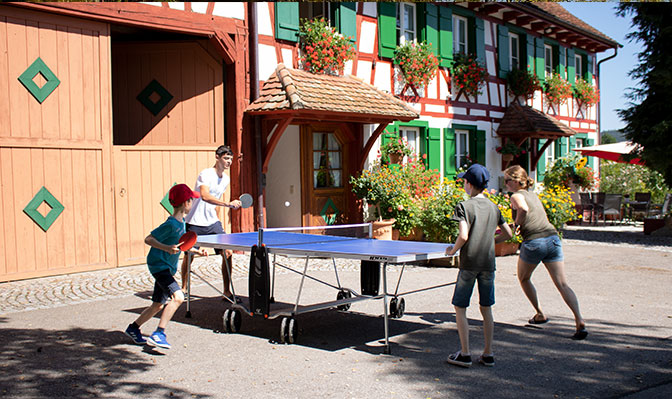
(548, 59)
(460, 135)
(514, 42)
(457, 39)
(402, 9)
(549, 155)
(414, 143)
(579, 142)
(578, 66)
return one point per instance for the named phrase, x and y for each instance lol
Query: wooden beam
(535, 158)
(279, 130)
(524, 20)
(509, 16)
(369, 144)
(537, 26)
(491, 8)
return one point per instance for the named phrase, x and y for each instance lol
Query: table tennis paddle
(246, 200)
(187, 241)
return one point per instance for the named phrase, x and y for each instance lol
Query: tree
(649, 117)
(607, 139)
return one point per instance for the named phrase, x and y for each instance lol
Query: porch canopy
(522, 122)
(292, 95)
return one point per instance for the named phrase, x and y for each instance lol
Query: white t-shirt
(203, 213)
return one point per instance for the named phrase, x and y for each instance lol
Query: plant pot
(652, 224)
(506, 248)
(382, 229)
(507, 157)
(415, 235)
(396, 158)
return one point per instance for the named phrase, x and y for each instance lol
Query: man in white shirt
(203, 220)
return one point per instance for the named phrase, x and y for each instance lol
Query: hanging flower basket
(522, 83)
(585, 93)
(468, 74)
(557, 90)
(325, 50)
(417, 63)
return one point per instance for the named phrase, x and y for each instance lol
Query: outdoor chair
(598, 205)
(586, 205)
(661, 209)
(641, 204)
(612, 206)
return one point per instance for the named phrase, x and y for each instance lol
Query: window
(550, 156)
(514, 51)
(579, 143)
(412, 136)
(578, 66)
(314, 9)
(460, 43)
(406, 22)
(461, 147)
(327, 166)
(548, 59)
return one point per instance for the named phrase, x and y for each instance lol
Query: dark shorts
(465, 286)
(546, 249)
(215, 228)
(164, 286)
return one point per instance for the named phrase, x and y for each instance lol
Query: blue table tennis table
(375, 255)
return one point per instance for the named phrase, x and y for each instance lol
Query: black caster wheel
(226, 320)
(292, 331)
(235, 320)
(284, 330)
(343, 294)
(397, 306)
(401, 306)
(393, 307)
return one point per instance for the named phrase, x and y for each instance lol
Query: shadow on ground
(74, 363)
(594, 234)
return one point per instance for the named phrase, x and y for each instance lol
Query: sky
(614, 78)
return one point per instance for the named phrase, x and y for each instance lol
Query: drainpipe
(254, 94)
(599, 104)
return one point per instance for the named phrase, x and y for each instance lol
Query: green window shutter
(479, 30)
(556, 59)
(449, 152)
(390, 133)
(561, 147)
(428, 23)
(531, 61)
(503, 51)
(571, 68)
(387, 29)
(572, 143)
(477, 146)
(287, 21)
(539, 60)
(591, 160)
(541, 165)
(445, 36)
(433, 147)
(345, 19)
(562, 61)
(588, 75)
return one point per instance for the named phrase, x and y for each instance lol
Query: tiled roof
(522, 120)
(559, 12)
(300, 91)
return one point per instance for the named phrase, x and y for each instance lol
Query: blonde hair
(517, 173)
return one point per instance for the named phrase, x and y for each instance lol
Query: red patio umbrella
(612, 152)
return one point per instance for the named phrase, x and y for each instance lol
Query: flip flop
(535, 321)
(580, 334)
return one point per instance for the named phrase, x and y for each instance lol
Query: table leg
(385, 317)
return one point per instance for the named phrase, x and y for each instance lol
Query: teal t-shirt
(169, 233)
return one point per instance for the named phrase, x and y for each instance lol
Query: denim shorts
(164, 286)
(465, 286)
(215, 228)
(545, 249)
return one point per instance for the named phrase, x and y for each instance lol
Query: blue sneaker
(158, 338)
(135, 335)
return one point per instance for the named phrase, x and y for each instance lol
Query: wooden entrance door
(324, 176)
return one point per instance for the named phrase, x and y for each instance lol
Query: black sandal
(580, 334)
(535, 321)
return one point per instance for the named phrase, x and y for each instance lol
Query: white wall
(283, 181)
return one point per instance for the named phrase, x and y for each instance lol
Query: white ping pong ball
(286, 203)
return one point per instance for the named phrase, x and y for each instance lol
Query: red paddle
(187, 241)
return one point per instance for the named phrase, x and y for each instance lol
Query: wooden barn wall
(189, 73)
(143, 176)
(62, 144)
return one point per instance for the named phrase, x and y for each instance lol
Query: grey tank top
(536, 224)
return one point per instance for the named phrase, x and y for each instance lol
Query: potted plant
(325, 50)
(585, 93)
(395, 150)
(557, 90)
(417, 63)
(559, 206)
(570, 171)
(503, 202)
(468, 75)
(510, 151)
(522, 83)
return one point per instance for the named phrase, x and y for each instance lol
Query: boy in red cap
(162, 262)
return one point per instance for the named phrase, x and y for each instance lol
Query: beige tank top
(536, 224)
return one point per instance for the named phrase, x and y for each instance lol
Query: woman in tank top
(540, 244)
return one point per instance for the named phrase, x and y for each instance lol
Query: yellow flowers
(559, 206)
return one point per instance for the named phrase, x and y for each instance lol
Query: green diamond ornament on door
(44, 221)
(27, 79)
(329, 212)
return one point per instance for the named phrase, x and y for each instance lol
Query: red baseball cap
(180, 193)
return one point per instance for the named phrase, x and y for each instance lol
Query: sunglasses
(507, 181)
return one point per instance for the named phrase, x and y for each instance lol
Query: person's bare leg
(488, 328)
(148, 313)
(462, 329)
(227, 262)
(557, 272)
(524, 277)
(170, 308)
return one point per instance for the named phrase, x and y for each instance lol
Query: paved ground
(60, 336)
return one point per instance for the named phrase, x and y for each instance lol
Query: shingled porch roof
(522, 121)
(343, 98)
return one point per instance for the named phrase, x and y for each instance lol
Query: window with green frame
(579, 64)
(343, 16)
(429, 140)
(475, 147)
(434, 25)
(508, 36)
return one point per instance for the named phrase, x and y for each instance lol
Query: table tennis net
(362, 230)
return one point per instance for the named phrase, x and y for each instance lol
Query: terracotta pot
(507, 157)
(396, 158)
(506, 248)
(415, 235)
(382, 229)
